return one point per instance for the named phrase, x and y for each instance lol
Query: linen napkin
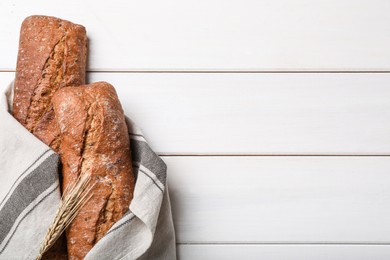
(30, 195)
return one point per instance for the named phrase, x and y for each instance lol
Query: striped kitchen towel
(30, 195)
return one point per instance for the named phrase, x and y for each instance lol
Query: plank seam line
(289, 243)
(272, 155)
(238, 71)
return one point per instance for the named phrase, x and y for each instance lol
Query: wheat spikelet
(75, 196)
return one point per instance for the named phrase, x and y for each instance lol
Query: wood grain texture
(280, 199)
(283, 113)
(283, 252)
(216, 34)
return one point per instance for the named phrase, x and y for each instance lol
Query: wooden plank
(282, 113)
(218, 35)
(259, 113)
(283, 252)
(280, 199)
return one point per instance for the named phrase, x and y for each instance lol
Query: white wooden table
(273, 116)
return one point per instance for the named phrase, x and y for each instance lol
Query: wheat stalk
(74, 197)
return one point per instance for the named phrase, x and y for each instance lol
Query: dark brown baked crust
(94, 140)
(52, 54)
(58, 251)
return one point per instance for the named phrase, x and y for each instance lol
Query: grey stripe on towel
(142, 153)
(27, 191)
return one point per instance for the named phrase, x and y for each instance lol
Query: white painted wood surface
(218, 34)
(259, 113)
(283, 252)
(283, 113)
(5, 78)
(251, 207)
(280, 199)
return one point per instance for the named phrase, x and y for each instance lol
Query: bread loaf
(94, 140)
(52, 54)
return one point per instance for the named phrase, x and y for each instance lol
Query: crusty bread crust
(94, 140)
(52, 54)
